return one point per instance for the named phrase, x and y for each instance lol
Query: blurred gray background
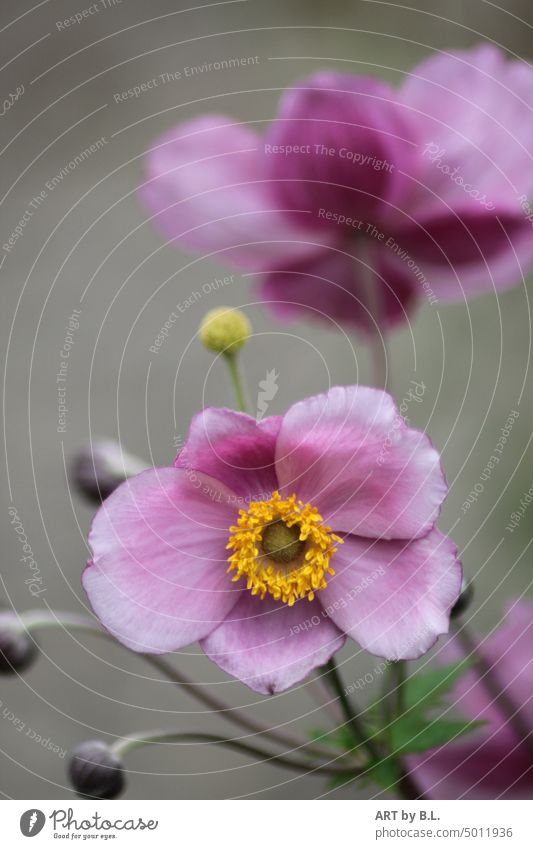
(88, 236)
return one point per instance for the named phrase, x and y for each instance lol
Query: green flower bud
(224, 330)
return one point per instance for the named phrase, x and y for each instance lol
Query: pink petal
(270, 646)
(498, 768)
(329, 118)
(478, 108)
(349, 453)
(337, 287)
(205, 184)
(157, 580)
(394, 598)
(234, 449)
(472, 115)
(491, 763)
(464, 253)
(509, 650)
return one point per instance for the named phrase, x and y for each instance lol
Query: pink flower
(493, 762)
(359, 199)
(326, 517)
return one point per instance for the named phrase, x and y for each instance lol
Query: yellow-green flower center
(282, 547)
(281, 543)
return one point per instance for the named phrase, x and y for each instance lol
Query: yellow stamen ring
(296, 570)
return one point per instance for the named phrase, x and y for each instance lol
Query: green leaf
(339, 738)
(426, 689)
(423, 691)
(386, 773)
(318, 735)
(413, 733)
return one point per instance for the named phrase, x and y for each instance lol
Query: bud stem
(236, 380)
(128, 744)
(36, 619)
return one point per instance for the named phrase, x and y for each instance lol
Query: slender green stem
(233, 367)
(405, 784)
(387, 702)
(378, 350)
(350, 713)
(495, 689)
(36, 620)
(400, 670)
(372, 299)
(128, 744)
(393, 699)
(236, 716)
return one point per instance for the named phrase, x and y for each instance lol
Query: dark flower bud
(17, 649)
(99, 467)
(464, 601)
(95, 772)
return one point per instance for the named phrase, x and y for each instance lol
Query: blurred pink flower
(492, 763)
(326, 534)
(359, 199)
